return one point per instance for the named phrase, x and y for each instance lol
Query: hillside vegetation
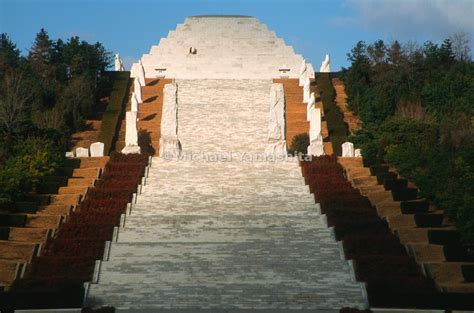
(44, 97)
(417, 107)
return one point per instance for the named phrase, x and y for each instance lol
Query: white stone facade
(226, 48)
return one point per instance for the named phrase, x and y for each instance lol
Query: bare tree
(14, 100)
(460, 46)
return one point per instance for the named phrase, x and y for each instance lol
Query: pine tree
(41, 54)
(9, 54)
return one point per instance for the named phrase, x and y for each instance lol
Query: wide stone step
(241, 297)
(233, 228)
(26, 234)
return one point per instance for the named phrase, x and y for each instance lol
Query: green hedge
(299, 144)
(334, 117)
(114, 111)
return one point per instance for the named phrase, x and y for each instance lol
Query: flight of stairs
(222, 232)
(352, 121)
(33, 223)
(423, 228)
(149, 122)
(295, 112)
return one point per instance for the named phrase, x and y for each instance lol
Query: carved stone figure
(303, 73)
(310, 106)
(137, 88)
(316, 145)
(306, 90)
(170, 145)
(118, 64)
(276, 121)
(131, 134)
(325, 67)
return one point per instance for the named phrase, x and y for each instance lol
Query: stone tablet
(306, 90)
(325, 67)
(97, 149)
(348, 150)
(69, 154)
(310, 106)
(357, 153)
(276, 121)
(82, 152)
(137, 88)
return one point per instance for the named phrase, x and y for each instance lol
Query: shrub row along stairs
(28, 225)
(228, 234)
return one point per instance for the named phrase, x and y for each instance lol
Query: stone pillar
(316, 146)
(169, 142)
(325, 66)
(306, 90)
(137, 88)
(303, 73)
(348, 149)
(118, 64)
(310, 106)
(276, 121)
(131, 134)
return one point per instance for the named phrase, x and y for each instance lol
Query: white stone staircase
(229, 234)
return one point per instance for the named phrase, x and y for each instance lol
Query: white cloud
(438, 18)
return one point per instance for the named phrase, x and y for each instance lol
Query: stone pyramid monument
(227, 234)
(221, 47)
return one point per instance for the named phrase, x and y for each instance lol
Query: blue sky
(312, 27)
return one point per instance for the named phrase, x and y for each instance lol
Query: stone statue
(303, 73)
(170, 145)
(310, 106)
(316, 145)
(306, 90)
(118, 64)
(325, 67)
(141, 73)
(137, 88)
(310, 71)
(276, 121)
(134, 104)
(131, 134)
